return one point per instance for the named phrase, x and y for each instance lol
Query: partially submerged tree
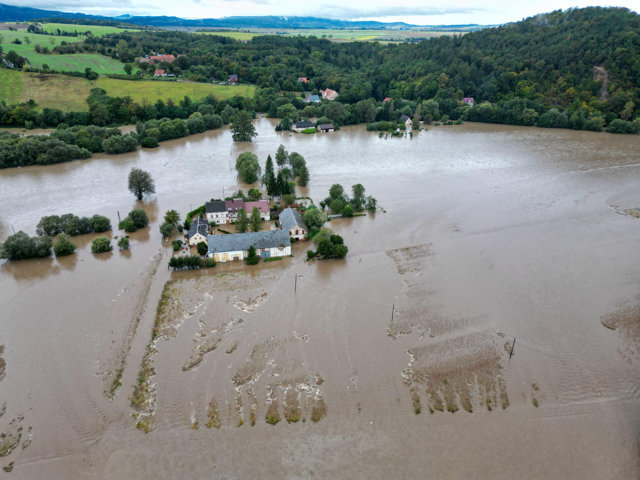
(141, 183)
(248, 167)
(252, 256)
(242, 129)
(101, 245)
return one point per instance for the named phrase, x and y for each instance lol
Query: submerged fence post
(512, 347)
(393, 310)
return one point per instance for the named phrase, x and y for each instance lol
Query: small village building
(326, 127)
(387, 99)
(291, 221)
(262, 206)
(216, 212)
(233, 78)
(469, 101)
(303, 80)
(159, 72)
(197, 232)
(309, 98)
(233, 207)
(226, 248)
(329, 94)
(406, 120)
(302, 125)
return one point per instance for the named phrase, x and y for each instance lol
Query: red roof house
(160, 72)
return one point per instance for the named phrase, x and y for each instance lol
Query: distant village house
(302, 125)
(303, 80)
(159, 72)
(151, 59)
(326, 127)
(233, 78)
(469, 101)
(329, 94)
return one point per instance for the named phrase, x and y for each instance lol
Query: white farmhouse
(225, 248)
(216, 212)
(262, 206)
(197, 232)
(291, 222)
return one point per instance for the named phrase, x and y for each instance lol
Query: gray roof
(403, 118)
(290, 218)
(198, 227)
(325, 126)
(242, 241)
(303, 124)
(212, 207)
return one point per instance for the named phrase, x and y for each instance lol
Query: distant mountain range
(10, 13)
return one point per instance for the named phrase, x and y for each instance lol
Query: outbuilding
(235, 247)
(291, 221)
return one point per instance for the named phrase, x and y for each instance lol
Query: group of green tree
(291, 167)
(328, 245)
(246, 223)
(72, 225)
(135, 220)
(518, 71)
(171, 222)
(340, 203)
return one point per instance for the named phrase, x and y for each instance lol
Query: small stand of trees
(328, 245)
(136, 219)
(171, 221)
(340, 203)
(252, 256)
(72, 225)
(63, 245)
(20, 246)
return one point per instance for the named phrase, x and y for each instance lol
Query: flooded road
(486, 233)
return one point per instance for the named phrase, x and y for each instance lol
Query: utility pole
(295, 287)
(512, 347)
(119, 217)
(393, 310)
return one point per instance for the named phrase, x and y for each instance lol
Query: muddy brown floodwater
(486, 234)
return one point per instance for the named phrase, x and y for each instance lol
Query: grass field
(70, 93)
(11, 86)
(96, 30)
(68, 63)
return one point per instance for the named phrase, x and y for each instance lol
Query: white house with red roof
(328, 94)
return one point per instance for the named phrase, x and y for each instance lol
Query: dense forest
(546, 61)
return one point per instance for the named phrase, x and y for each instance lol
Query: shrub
(191, 262)
(101, 245)
(177, 245)
(63, 245)
(123, 243)
(127, 225)
(347, 211)
(166, 229)
(310, 254)
(100, 224)
(139, 217)
(203, 248)
(209, 263)
(621, 126)
(149, 142)
(119, 144)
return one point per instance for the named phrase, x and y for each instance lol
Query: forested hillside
(578, 68)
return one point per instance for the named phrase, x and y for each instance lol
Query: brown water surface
(485, 233)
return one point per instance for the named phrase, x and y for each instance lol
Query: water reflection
(68, 262)
(30, 269)
(103, 256)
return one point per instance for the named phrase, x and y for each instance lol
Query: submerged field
(70, 93)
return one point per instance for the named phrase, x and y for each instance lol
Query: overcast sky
(422, 12)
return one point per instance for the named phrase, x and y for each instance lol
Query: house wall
(217, 217)
(196, 239)
(223, 257)
(300, 235)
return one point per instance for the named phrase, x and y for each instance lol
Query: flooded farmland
(395, 362)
